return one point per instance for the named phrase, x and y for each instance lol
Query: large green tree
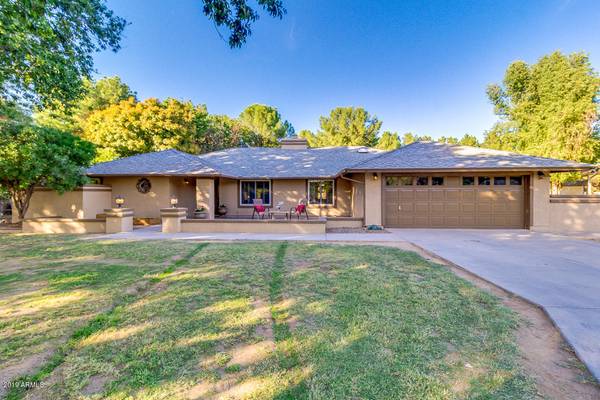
(31, 155)
(346, 126)
(389, 141)
(48, 45)
(131, 127)
(97, 95)
(237, 16)
(224, 132)
(549, 108)
(266, 122)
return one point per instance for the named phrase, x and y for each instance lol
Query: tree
(266, 122)
(469, 140)
(449, 140)
(224, 132)
(47, 47)
(347, 126)
(31, 156)
(389, 141)
(237, 16)
(132, 127)
(96, 96)
(409, 138)
(548, 109)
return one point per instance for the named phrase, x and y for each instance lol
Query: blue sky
(419, 66)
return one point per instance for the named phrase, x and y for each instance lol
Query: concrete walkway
(561, 274)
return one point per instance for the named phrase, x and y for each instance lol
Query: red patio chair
(259, 209)
(299, 210)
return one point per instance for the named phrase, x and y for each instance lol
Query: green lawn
(183, 320)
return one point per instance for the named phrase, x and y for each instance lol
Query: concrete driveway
(560, 274)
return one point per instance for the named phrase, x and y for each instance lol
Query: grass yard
(183, 320)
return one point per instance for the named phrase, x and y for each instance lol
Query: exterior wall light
(375, 176)
(119, 200)
(174, 201)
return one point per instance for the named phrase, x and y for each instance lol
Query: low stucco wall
(574, 214)
(253, 226)
(64, 225)
(82, 203)
(340, 223)
(148, 205)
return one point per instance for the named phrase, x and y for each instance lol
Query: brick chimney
(293, 143)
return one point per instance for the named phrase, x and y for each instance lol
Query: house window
(422, 181)
(516, 180)
(321, 192)
(437, 180)
(468, 180)
(483, 180)
(250, 190)
(499, 180)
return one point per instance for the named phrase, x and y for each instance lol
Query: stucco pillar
(119, 220)
(171, 219)
(373, 205)
(205, 196)
(540, 203)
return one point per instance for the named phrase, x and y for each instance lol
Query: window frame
(496, 178)
(443, 178)
(240, 197)
(427, 180)
(510, 178)
(333, 199)
(473, 181)
(482, 177)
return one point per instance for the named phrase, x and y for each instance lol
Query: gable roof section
(264, 162)
(442, 156)
(166, 162)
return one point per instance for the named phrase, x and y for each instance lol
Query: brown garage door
(469, 201)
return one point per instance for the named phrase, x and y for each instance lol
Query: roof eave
(532, 169)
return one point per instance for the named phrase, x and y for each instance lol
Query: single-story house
(424, 184)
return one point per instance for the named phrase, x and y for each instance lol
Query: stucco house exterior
(424, 184)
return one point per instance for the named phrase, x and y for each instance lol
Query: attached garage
(459, 201)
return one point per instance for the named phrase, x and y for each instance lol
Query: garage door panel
(452, 221)
(467, 220)
(406, 194)
(437, 195)
(451, 208)
(467, 208)
(500, 206)
(452, 195)
(421, 195)
(468, 195)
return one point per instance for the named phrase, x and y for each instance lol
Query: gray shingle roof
(166, 162)
(434, 155)
(324, 162)
(262, 162)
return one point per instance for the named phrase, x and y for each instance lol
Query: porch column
(540, 202)
(205, 195)
(171, 219)
(373, 204)
(119, 220)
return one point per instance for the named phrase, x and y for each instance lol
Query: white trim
(255, 180)
(321, 180)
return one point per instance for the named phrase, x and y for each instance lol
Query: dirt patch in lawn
(25, 366)
(546, 356)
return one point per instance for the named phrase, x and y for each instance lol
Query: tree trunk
(20, 199)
